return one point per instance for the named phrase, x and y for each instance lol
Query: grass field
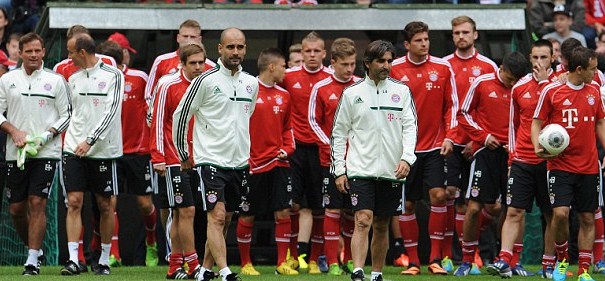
(158, 273)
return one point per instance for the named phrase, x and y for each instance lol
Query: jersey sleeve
(191, 101)
(288, 145)
(338, 140)
(544, 106)
(409, 130)
(157, 126)
(316, 115)
(465, 118)
(63, 106)
(451, 104)
(513, 123)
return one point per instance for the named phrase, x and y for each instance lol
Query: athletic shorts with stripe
(333, 199)
(458, 170)
(134, 174)
(384, 198)
(427, 172)
(223, 185)
(36, 179)
(178, 188)
(98, 176)
(306, 176)
(488, 176)
(269, 192)
(581, 191)
(526, 182)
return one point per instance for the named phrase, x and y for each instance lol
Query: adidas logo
(527, 95)
(45, 190)
(358, 100)
(493, 95)
(107, 189)
(567, 102)
(259, 100)
(405, 78)
(217, 90)
(333, 97)
(297, 86)
(149, 189)
(13, 86)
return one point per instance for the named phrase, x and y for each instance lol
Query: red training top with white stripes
(434, 91)
(135, 133)
(322, 107)
(270, 130)
(577, 109)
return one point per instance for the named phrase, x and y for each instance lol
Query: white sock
(358, 268)
(40, 253)
(224, 272)
(104, 258)
(72, 247)
(32, 257)
(375, 275)
(203, 269)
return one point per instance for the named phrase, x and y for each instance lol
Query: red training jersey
(170, 91)
(577, 109)
(135, 133)
(434, 91)
(485, 110)
(466, 70)
(270, 130)
(67, 68)
(299, 82)
(322, 108)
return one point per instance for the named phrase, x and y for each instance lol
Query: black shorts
(458, 171)
(488, 176)
(269, 192)
(427, 172)
(578, 190)
(333, 199)
(178, 188)
(98, 176)
(222, 185)
(526, 182)
(306, 176)
(385, 198)
(36, 179)
(134, 174)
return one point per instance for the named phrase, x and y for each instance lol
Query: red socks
(517, 249)
(448, 237)
(81, 247)
(468, 250)
(348, 226)
(244, 238)
(436, 229)
(192, 262)
(409, 233)
(506, 256)
(331, 230)
(317, 237)
(460, 226)
(599, 232)
(282, 238)
(548, 261)
(584, 260)
(561, 250)
(115, 246)
(294, 234)
(175, 262)
(150, 222)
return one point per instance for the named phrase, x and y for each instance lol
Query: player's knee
(438, 196)
(381, 225)
(17, 210)
(586, 219)
(74, 203)
(36, 204)
(560, 214)
(473, 210)
(186, 213)
(363, 220)
(217, 218)
(514, 214)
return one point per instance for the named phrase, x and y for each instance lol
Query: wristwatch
(90, 141)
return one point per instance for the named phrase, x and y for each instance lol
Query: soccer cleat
(285, 269)
(102, 269)
(377, 278)
(474, 270)
(357, 276)
(31, 269)
(546, 273)
(70, 268)
(335, 270)
(521, 271)
(314, 268)
(151, 256)
(82, 266)
(412, 270)
(232, 277)
(41, 260)
(501, 268)
(403, 260)
(248, 269)
(478, 261)
(585, 277)
(178, 274)
(207, 276)
(447, 264)
(322, 262)
(463, 269)
(435, 268)
(292, 262)
(196, 272)
(599, 267)
(302, 263)
(560, 271)
(113, 262)
(348, 267)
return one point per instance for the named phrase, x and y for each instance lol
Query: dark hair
(30, 37)
(84, 42)
(580, 56)
(376, 50)
(342, 47)
(516, 64)
(190, 50)
(543, 43)
(112, 49)
(414, 28)
(568, 46)
(76, 29)
(268, 56)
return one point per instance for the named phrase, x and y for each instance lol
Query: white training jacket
(379, 123)
(96, 96)
(34, 104)
(222, 105)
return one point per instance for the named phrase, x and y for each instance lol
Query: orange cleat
(402, 261)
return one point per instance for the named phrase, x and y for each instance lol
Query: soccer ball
(554, 139)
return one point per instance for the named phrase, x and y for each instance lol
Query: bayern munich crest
(212, 198)
(245, 206)
(354, 200)
(249, 89)
(128, 87)
(476, 71)
(48, 87)
(178, 199)
(326, 200)
(102, 85)
(395, 98)
(474, 192)
(279, 100)
(433, 76)
(591, 100)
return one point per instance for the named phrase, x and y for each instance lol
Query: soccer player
(306, 169)
(377, 119)
(527, 176)
(92, 144)
(178, 183)
(574, 175)
(322, 107)
(484, 115)
(271, 142)
(37, 104)
(467, 64)
(295, 57)
(221, 142)
(433, 88)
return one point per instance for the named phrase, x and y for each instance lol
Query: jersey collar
(466, 58)
(227, 71)
(312, 71)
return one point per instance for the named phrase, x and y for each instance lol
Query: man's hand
(598, 27)
(447, 147)
(282, 156)
(543, 153)
(187, 164)
(562, 78)
(19, 138)
(402, 170)
(342, 184)
(82, 149)
(467, 152)
(492, 143)
(540, 72)
(160, 169)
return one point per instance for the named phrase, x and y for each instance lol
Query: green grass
(158, 273)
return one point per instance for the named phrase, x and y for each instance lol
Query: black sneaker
(378, 278)
(209, 275)
(70, 268)
(41, 260)
(31, 269)
(357, 276)
(102, 269)
(83, 267)
(195, 273)
(178, 274)
(232, 277)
